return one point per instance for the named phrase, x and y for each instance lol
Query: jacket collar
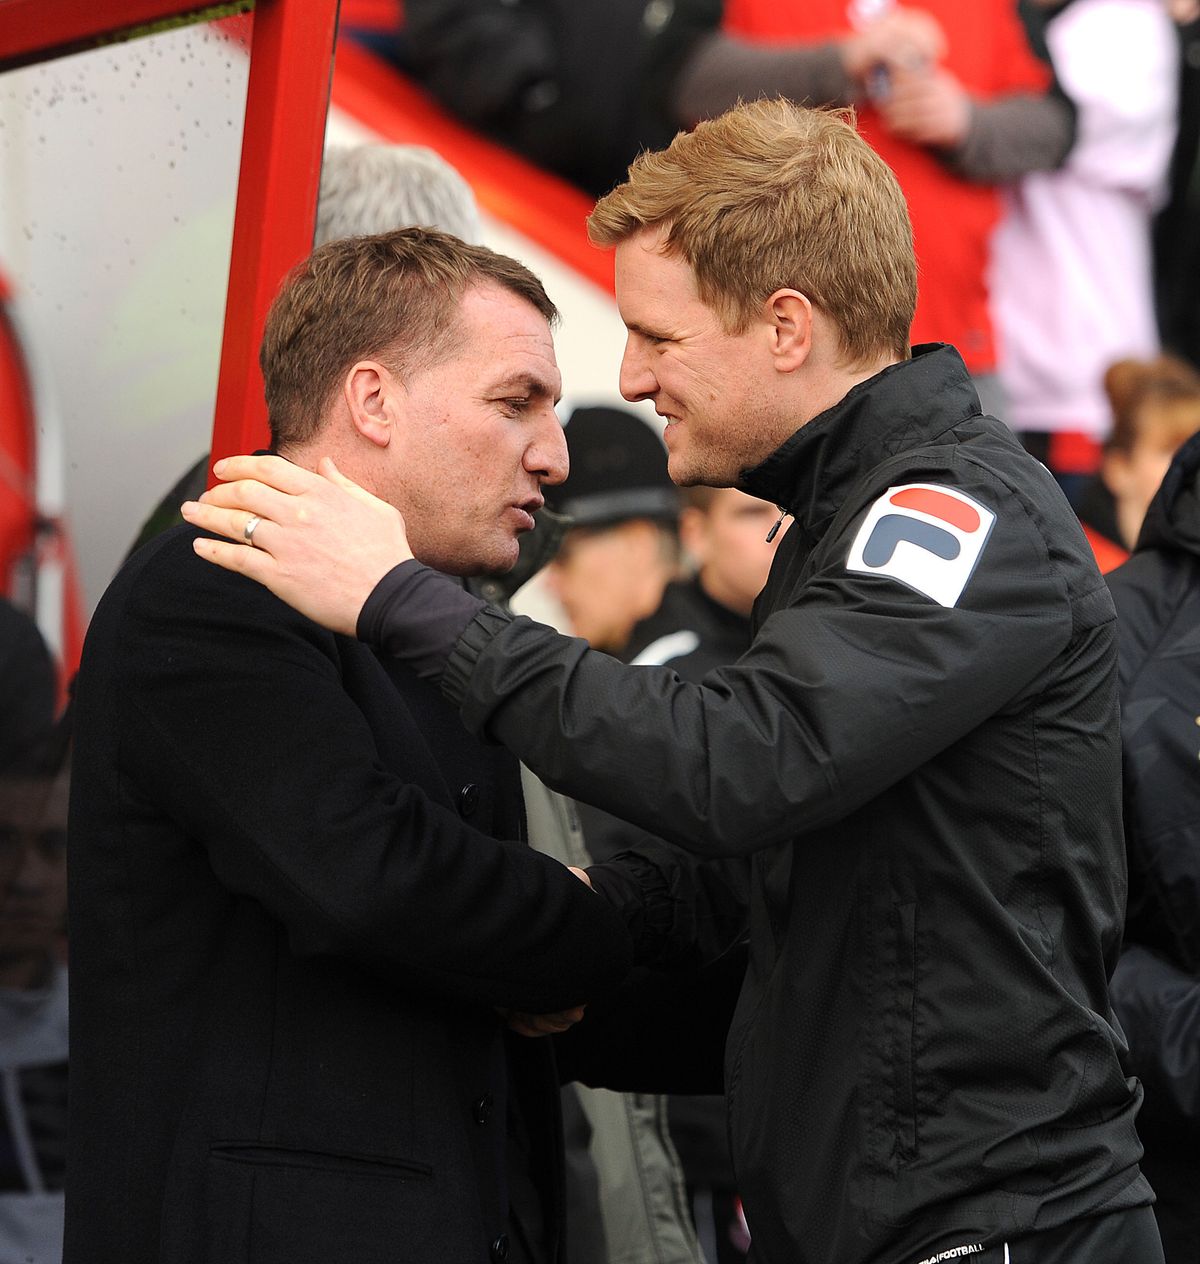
(901, 407)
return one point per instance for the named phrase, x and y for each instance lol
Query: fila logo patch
(927, 537)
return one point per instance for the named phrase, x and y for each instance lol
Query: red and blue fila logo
(927, 537)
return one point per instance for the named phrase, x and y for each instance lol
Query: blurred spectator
(364, 189)
(27, 683)
(1156, 986)
(33, 1002)
(623, 546)
(704, 622)
(951, 95)
(1071, 267)
(577, 88)
(371, 188)
(1155, 408)
(1177, 229)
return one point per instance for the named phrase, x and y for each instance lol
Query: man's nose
(547, 457)
(637, 380)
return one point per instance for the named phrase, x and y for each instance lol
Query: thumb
(327, 469)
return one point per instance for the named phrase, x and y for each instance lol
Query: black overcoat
(291, 924)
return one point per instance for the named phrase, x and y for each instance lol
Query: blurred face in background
(608, 578)
(726, 536)
(1134, 475)
(33, 878)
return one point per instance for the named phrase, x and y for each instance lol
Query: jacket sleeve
(243, 733)
(851, 685)
(1159, 1009)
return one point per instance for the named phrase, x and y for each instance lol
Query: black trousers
(1124, 1237)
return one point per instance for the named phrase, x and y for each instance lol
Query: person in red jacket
(950, 95)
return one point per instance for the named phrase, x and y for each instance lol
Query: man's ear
(693, 534)
(789, 316)
(371, 392)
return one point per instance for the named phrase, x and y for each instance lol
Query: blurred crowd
(1049, 153)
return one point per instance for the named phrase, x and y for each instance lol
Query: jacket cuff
(475, 638)
(639, 891)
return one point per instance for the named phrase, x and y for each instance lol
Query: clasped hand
(321, 543)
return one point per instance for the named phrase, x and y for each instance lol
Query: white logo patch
(928, 537)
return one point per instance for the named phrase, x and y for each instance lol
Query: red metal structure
(290, 67)
(291, 63)
(287, 98)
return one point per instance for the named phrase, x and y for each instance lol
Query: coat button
(500, 1248)
(483, 1109)
(468, 798)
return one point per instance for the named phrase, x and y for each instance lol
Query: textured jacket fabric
(921, 753)
(1156, 987)
(291, 922)
(694, 635)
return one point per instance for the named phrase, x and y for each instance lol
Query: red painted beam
(287, 100)
(34, 30)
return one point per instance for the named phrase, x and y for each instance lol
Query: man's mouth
(523, 512)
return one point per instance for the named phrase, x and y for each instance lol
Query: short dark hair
(393, 297)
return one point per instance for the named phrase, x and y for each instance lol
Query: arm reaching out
(317, 540)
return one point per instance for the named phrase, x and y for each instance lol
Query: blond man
(919, 751)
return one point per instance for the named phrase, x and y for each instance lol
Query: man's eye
(516, 404)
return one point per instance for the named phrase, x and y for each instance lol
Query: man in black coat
(294, 933)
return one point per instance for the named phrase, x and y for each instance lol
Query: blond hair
(393, 297)
(772, 195)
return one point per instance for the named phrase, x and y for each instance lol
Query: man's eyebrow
(529, 383)
(635, 328)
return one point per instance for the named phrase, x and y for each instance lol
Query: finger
(329, 470)
(230, 523)
(274, 471)
(253, 497)
(235, 557)
(545, 1024)
(522, 1027)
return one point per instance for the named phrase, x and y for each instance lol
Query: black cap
(618, 471)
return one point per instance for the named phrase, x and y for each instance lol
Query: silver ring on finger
(249, 529)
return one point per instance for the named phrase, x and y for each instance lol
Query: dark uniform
(921, 751)
(1156, 987)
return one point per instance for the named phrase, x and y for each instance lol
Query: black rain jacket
(923, 1056)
